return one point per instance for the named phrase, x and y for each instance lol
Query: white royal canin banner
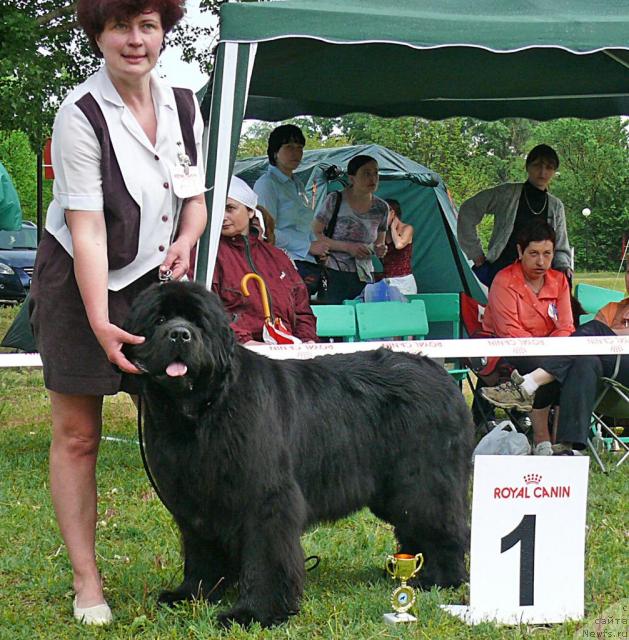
(528, 540)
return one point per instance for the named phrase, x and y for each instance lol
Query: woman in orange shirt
(529, 299)
(578, 376)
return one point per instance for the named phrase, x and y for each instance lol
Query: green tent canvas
(488, 59)
(438, 263)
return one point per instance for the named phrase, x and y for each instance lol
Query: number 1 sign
(528, 538)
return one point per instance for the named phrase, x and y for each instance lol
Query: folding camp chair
(490, 371)
(612, 402)
(335, 321)
(391, 319)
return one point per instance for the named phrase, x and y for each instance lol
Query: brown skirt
(74, 362)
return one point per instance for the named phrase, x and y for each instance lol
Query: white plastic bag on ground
(503, 440)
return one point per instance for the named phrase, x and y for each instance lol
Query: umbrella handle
(262, 286)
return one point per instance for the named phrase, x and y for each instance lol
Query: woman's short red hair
(94, 14)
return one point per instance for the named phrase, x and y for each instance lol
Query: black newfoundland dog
(247, 452)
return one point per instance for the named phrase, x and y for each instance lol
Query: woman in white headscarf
(241, 250)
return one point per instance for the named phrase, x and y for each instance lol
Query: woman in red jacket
(529, 299)
(242, 251)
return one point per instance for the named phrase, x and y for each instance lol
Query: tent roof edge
(418, 47)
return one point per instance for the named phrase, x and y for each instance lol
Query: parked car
(17, 259)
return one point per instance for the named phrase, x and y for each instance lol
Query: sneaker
(563, 449)
(543, 449)
(509, 395)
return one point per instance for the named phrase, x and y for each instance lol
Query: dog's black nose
(179, 334)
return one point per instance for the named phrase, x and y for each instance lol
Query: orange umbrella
(274, 331)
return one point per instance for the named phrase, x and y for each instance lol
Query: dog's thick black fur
(247, 452)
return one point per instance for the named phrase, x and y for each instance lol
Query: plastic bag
(381, 291)
(503, 440)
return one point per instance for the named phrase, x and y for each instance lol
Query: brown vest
(122, 212)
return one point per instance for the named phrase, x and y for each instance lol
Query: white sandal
(99, 614)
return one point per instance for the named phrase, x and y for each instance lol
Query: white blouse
(146, 169)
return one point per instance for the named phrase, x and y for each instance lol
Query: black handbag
(322, 285)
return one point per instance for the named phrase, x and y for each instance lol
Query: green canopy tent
(438, 262)
(436, 59)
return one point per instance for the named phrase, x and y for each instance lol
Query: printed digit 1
(524, 533)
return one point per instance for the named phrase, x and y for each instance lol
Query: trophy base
(397, 618)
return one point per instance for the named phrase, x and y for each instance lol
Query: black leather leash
(143, 456)
(164, 277)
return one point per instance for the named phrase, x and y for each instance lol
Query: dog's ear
(216, 323)
(143, 306)
(226, 347)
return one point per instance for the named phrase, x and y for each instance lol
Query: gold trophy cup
(403, 567)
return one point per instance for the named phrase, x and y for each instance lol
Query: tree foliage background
(43, 54)
(471, 155)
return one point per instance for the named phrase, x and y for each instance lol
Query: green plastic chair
(441, 307)
(445, 308)
(335, 321)
(593, 298)
(391, 319)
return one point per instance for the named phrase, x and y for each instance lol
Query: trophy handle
(389, 565)
(420, 563)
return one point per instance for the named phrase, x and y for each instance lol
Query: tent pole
(40, 198)
(230, 87)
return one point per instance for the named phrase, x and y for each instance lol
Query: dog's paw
(245, 617)
(168, 598)
(240, 615)
(444, 579)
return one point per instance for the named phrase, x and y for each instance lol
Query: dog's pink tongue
(175, 369)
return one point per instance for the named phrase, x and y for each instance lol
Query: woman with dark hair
(529, 299)
(359, 221)
(513, 206)
(284, 196)
(128, 204)
(398, 271)
(578, 376)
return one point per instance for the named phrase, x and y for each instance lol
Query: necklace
(535, 287)
(528, 204)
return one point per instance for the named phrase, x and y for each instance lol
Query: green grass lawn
(138, 548)
(605, 279)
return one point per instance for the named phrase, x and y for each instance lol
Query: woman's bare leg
(76, 430)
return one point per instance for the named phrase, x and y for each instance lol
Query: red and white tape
(463, 348)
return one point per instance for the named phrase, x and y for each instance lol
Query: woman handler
(128, 201)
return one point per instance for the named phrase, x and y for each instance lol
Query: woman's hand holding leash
(177, 259)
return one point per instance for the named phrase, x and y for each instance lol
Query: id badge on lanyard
(185, 178)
